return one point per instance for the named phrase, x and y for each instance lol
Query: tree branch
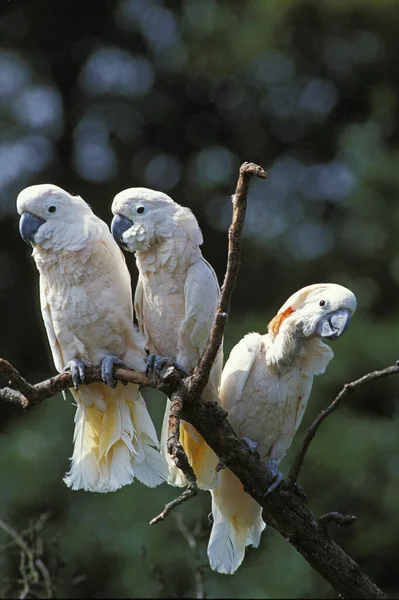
(34, 572)
(200, 377)
(338, 519)
(28, 395)
(311, 432)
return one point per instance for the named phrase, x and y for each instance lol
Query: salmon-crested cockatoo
(175, 301)
(86, 303)
(265, 387)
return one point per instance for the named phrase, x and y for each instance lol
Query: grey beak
(333, 325)
(119, 225)
(28, 226)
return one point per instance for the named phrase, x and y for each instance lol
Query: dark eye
(322, 303)
(52, 209)
(140, 209)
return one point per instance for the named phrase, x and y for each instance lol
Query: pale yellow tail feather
(237, 523)
(201, 457)
(113, 440)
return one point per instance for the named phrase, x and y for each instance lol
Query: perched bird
(87, 310)
(265, 388)
(175, 301)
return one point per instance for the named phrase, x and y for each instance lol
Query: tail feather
(113, 441)
(85, 465)
(153, 470)
(237, 523)
(200, 456)
(226, 547)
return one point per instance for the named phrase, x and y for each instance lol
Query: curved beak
(119, 225)
(333, 325)
(28, 226)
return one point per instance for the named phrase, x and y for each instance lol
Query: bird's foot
(251, 445)
(276, 474)
(107, 369)
(155, 363)
(77, 370)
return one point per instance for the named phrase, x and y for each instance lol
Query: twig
(200, 376)
(18, 539)
(311, 432)
(31, 567)
(174, 446)
(192, 542)
(180, 458)
(188, 493)
(338, 518)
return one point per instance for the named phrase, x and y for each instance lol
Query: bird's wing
(238, 368)
(201, 295)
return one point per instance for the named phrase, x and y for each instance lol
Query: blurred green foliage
(174, 95)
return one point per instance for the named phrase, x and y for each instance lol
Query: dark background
(97, 96)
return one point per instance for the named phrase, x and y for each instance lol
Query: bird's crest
(276, 322)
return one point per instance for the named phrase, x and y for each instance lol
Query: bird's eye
(140, 209)
(52, 209)
(322, 303)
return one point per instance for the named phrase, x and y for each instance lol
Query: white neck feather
(290, 348)
(173, 255)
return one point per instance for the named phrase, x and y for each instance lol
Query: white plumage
(175, 302)
(265, 388)
(87, 311)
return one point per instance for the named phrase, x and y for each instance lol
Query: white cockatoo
(265, 387)
(87, 309)
(175, 301)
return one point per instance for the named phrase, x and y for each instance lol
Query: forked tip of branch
(248, 168)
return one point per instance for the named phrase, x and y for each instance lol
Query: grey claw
(251, 445)
(77, 369)
(107, 369)
(155, 363)
(278, 476)
(150, 362)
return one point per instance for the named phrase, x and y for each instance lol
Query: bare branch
(27, 395)
(200, 377)
(31, 567)
(174, 446)
(338, 519)
(188, 493)
(311, 432)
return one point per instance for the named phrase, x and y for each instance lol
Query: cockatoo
(87, 309)
(175, 301)
(265, 387)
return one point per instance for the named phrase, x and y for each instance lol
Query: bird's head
(144, 218)
(321, 310)
(52, 218)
